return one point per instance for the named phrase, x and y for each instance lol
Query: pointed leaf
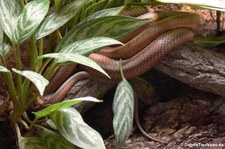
(208, 41)
(63, 104)
(123, 109)
(30, 143)
(51, 124)
(58, 19)
(31, 17)
(91, 45)
(111, 26)
(71, 125)
(3, 69)
(54, 140)
(76, 58)
(105, 12)
(39, 81)
(9, 12)
(4, 49)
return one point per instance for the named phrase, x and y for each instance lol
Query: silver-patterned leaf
(4, 49)
(90, 45)
(30, 143)
(63, 104)
(110, 26)
(3, 69)
(123, 109)
(30, 18)
(76, 58)
(58, 19)
(71, 125)
(105, 12)
(39, 81)
(96, 6)
(53, 140)
(51, 124)
(9, 12)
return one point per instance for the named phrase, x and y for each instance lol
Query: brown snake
(142, 51)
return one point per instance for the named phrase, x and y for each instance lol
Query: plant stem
(33, 52)
(18, 77)
(15, 126)
(41, 47)
(121, 69)
(51, 70)
(22, 3)
(12, 88)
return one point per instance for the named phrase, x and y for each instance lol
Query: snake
(142, 49)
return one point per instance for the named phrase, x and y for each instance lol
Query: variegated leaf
(110, 26)
(51, 124)
(96, 6)
(53, 140)
(63, 104)
(123, 109)
(58, 19)
(30, 143)
(105, 12)
(4, 49)
(71, 125)
(30, 18)
(76, 58)
(88, 46)
(3, 69)
(9, 12)
(39, 81)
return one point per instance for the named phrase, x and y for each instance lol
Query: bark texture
(200, 68)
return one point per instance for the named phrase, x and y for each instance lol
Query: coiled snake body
(141, 52)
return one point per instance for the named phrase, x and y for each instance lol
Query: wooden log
(198, 67)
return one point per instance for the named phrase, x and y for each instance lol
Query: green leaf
(96, 6)
(215, 4)
(30, 143)
(4, 49)
(123, 109)
(90, 45)
(71, 125)
(58, 19)
(39, 81)
(111, 26)
(51, 124)
(9, 12)
(3, 69)
(208, 41)
(31, 17)
(54, 140)
(105, 12)
(76, 58)
(63, 104)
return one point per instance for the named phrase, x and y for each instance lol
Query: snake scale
(143, 49)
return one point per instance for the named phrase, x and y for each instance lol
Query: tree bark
(198, 67)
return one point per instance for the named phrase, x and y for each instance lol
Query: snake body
(141, 53)
(134, 42)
